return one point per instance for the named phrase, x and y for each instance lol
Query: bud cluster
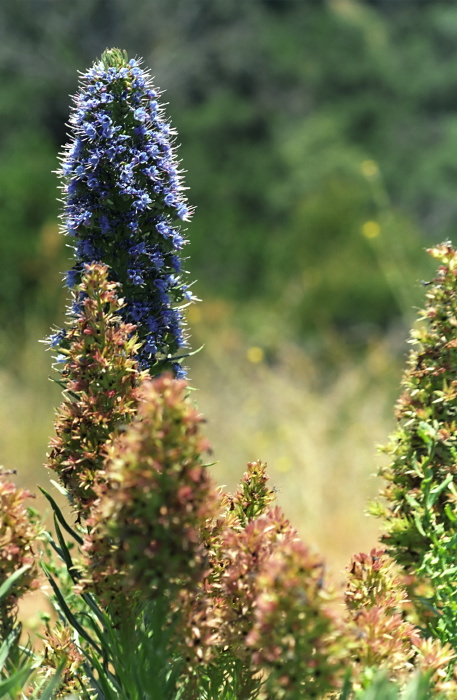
(101, 386)
(156, 496)
(380, 626)
(18, 548)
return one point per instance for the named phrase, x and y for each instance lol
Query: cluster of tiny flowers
(59, 648)
(222, 616)
(380, 633)
(124, 201)
(375, 599)
(18, 539)
(247, 552)
(253, 495)
(145, 530)
(101, 378)
(295, 637)
(256, 623)
(373, 578)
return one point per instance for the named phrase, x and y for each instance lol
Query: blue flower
(55, 339)
(72, 277)
(141, 115)
(124, 201)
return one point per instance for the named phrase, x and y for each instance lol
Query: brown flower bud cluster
(381, 633)
(18, 540)
(59, 647)
(263, 611)
(156, 496)
(101, 386)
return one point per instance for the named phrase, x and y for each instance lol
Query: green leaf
(60, 517)
(88, 599)
(16, 681)
(419, 525)
(450, 512)
(418, 688)
(347, 687)
(109, 692)
(426, 432)
(45, 690)
(435, 492)
(61, 489)
(67, 612)
(11, 580)
(66, 556)
(6, 646)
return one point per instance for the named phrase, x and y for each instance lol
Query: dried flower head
(123, 202)
(101, 386)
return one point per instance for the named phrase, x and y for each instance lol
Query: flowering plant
(420, 490)
(124, 201)
(164, 585)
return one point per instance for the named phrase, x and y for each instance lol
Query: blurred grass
(317, 428)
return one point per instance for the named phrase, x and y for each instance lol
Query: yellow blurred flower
(369, 168)
(255, 354)
(371, 229)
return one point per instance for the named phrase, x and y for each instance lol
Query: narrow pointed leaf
(67, 612)
(11, 580)
(60, 517)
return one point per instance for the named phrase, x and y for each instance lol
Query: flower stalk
(101, 376)
(420, 489)
(124, 203)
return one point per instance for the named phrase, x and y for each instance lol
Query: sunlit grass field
(316, 426)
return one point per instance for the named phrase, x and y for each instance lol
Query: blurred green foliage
(320, 140)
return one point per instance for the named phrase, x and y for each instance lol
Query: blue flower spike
(124, 202)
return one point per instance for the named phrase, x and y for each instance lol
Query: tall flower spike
(101, 393)
(296, 638)
(123, 202)
(421, 480)
(145, 529)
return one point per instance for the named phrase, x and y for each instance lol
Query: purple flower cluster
(124, 202)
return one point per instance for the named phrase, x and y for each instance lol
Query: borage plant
(163, 585)
(124, 201)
